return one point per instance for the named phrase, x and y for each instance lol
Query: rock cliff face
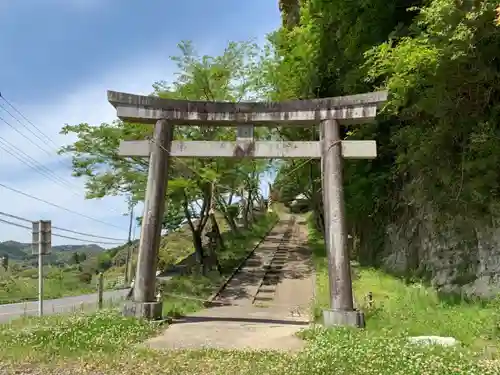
(456, 258)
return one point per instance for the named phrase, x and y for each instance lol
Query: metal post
(144, 301)
(100, 290)
(128, 262)
(339, 272)
(41, 233)
(40, 278)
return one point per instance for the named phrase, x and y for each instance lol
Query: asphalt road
(61, 305)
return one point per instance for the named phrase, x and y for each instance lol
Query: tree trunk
(232, 224)
(248, 210)
(197, 231)
(222, 206)
(216, 229)
(320, 217)
(198, 248)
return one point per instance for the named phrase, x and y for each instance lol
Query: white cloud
(87, 103)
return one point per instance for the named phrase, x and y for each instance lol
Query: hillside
(21, 253)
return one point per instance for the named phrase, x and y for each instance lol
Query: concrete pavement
(56, 306)
(263, 306)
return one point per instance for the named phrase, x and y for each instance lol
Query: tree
(437, 137)
(104, 261)
(232, 76)
(75, 258)
(5, 262)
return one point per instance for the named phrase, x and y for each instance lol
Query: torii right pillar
(341, 312)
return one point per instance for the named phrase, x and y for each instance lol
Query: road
(61, 305)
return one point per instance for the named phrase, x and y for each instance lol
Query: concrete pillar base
(336, 318)
(143, 310)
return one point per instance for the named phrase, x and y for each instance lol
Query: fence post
(100, 290)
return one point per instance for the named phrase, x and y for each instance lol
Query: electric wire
(89, 235)
(58, 206)
(15, 224)
(27, 120)
(63, 229)
(61, 181)
(16, 217)
(30, 162)
(55, 234)
(86, 240)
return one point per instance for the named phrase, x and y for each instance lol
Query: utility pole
(144, 303)
(128, 262)
(42, 241)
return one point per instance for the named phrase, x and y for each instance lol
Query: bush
(85, 277)
(29, 273)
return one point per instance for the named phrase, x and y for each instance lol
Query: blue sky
(58, 59)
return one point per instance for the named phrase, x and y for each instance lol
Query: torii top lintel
(351, 109)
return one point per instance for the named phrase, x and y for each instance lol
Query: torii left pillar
(144, 303)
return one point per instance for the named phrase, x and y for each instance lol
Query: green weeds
(105, 342)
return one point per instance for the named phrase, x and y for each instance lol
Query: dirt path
(262, 307)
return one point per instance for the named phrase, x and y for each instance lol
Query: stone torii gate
(328, 112)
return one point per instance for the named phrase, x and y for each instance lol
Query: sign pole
(42, 233)
(40, 278)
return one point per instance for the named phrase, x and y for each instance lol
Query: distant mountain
(14, 250)
(22, 252)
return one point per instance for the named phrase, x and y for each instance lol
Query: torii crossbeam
(328, 112)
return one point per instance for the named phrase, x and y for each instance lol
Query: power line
(15, 224)
(63, 229)
(21, 134)
(89, 235)
(31, 162)
(27, 120)
(59, 235)
(58, 206)
(42, 170)
(83, 240)
(65, 182)
(16, 217)
(30, 140)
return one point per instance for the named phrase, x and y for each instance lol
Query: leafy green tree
(437, 136)
(104, 261)
(5, 262)
(75, 258)
(232, 76)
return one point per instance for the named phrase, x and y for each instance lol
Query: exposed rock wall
(458, 257)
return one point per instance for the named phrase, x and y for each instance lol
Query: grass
(14, 289)
(400, 310)
(65, 282)
(105, 342)
(63, 335)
